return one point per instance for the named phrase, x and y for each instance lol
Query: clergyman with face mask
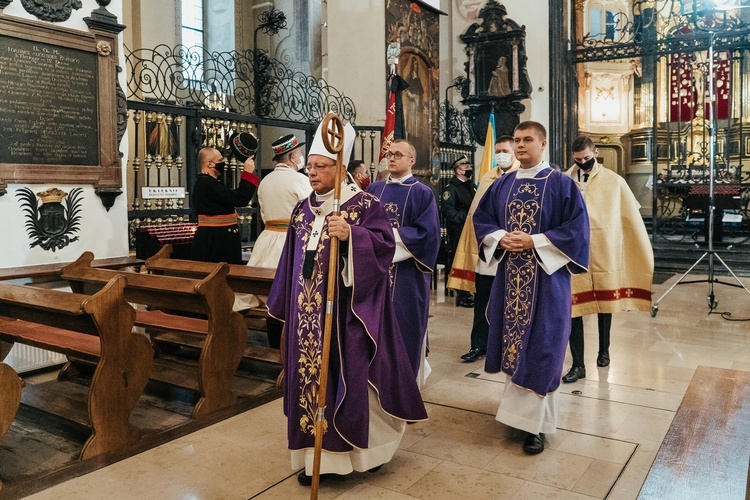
(621, 260)
(218, 236)
(455, 206)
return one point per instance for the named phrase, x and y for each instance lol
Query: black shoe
(602, 359)
(375, 469)
(465, 303)
(473, 355)
(534, 443)
(574, 374)
(306, 480)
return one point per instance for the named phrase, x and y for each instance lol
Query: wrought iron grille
(659, 28)
(667, 42)
(454, 125)
(184, 98)
(193, 77)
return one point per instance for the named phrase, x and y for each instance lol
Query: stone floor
(610, 428)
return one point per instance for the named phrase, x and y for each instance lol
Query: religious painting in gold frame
(415, 27)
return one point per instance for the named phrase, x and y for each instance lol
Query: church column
(558, 66)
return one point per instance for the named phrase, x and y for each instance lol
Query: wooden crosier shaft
(333, 267)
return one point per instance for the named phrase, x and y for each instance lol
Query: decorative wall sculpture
(496, 70)
(51, 10)
(50, 225)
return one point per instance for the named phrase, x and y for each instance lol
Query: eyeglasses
(310, 168)
(397, 155)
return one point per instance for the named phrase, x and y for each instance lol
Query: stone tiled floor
(610, 428)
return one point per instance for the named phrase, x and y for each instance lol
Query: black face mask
(588, 165)
(468, 174)
(220, 167)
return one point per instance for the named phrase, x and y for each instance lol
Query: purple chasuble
(366, 346)
(412, 210)
(529, 310)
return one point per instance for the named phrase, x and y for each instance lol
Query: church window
(603, 23)
(191, 34)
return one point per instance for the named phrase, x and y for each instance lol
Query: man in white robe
(279, 192)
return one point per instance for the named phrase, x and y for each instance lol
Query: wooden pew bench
(241, 279)
(97, 328)
(706, 451)
(51, 272)
(220, 337)
(10, 398)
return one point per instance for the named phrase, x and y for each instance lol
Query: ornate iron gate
(181, 99)
(666, 43)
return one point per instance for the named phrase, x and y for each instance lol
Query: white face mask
(300, 162)
(503, 160)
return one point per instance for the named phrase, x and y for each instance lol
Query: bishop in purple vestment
(371, 390)
(534, 222)
(411, 207)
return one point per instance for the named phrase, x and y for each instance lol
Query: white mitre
(318, 148)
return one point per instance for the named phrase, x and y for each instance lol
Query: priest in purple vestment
(413, 212)
(534, 223)
(371, 389)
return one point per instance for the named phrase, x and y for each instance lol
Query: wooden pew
(97, 328)
(706, 450)
(47, 272)
(242, 279)
(10, 398)
(220, 337)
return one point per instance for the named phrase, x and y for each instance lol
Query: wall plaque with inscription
(58, 106)
(50, 93)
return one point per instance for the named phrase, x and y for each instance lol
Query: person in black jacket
(457, 198)
(218, 236)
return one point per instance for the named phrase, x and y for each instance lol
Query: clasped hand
(516, 241)
(338, 227)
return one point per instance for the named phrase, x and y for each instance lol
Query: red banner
(394, 119)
